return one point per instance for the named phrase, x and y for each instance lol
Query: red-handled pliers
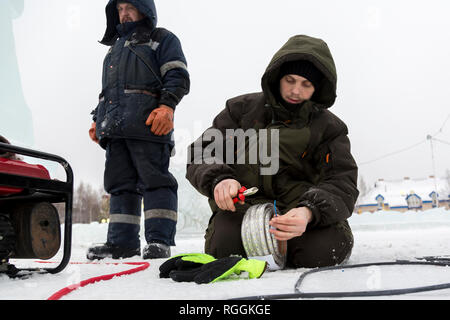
(244, 192)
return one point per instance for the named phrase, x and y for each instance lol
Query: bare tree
(104, 205)
(89, 204)
(363, 187)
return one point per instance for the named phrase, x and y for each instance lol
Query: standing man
(144, 78)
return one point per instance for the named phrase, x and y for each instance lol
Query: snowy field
(379, 237)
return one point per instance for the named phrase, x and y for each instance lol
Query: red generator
(29, 221)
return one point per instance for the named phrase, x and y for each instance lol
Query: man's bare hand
(224, 192)
(292, 224)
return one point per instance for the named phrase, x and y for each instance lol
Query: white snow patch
(379, 237)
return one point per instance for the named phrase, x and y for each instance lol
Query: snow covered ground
(379, 237)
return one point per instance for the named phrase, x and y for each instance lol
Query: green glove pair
(204, 268)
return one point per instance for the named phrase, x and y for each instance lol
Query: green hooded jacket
(315, 165)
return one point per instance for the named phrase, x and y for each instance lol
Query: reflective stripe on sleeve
(172, 65)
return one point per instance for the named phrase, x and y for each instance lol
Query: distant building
(406, 194)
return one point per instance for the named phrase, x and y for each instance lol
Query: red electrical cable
(141, 266)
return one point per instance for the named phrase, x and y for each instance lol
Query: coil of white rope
(256, 238)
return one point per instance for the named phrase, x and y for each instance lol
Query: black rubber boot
(108, 250)
(156, 250)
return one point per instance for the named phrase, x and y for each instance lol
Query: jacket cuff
(169, 99)
(217, 180)
(94, 115)
(315, 212)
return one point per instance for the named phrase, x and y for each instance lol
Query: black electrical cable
(433, 261)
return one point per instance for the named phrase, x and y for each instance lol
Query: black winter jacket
(316, 168)
(144, 68)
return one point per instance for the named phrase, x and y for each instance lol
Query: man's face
(128, 13)
(295, 89)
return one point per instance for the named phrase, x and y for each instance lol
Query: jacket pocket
(322, 160)
(137, 107)
(108, 120)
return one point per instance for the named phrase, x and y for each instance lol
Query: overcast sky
(392, 59)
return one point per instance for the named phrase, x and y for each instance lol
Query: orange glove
(161, 120)
(92, 134)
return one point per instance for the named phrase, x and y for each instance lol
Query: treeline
(89, 205)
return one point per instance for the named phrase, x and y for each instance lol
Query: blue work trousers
(136, 170)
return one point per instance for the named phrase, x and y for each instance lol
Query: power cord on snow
(141, 266)
(430, 260)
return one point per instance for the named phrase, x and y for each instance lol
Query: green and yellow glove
(184, 262)
(203, 268)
